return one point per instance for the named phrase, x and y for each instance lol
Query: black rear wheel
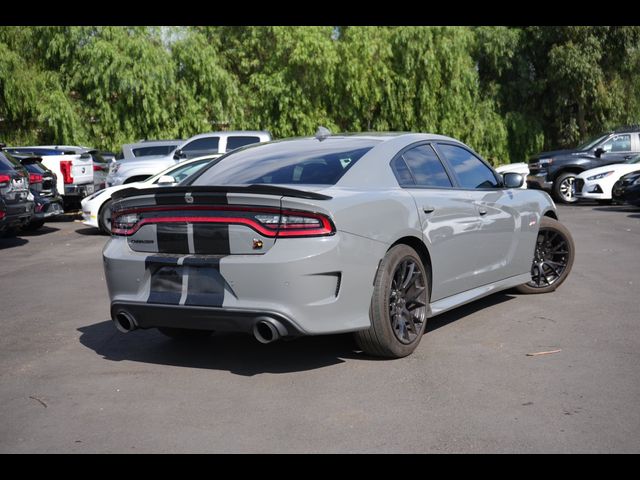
(398, 310)
(104, 217)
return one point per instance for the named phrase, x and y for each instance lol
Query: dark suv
(556, 171)
(17, 201)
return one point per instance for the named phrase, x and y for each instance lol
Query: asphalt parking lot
(71, 383)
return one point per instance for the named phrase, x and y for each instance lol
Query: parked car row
(589, 171)
(40, 182)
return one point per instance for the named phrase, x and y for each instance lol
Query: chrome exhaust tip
(267, 330)
(125, 322)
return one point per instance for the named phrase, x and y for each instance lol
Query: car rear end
(42, 184)
(236, 260)
(14, 191)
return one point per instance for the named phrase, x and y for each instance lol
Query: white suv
(141, 168)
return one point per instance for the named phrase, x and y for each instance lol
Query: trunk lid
(207, 220)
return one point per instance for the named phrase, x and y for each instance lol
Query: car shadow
(241, 354)
(618, 208)
(10, 242)
(90, 232)
(236, 353)
(470, 308)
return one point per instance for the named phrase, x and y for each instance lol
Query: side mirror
(512, 180)
(166, 180)
(599, 151)
(179, 155)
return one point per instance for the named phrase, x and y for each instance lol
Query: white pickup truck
(74, 171)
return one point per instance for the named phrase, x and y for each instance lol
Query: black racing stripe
(158, 260)
(166, 284)
(211, 239)
(206, 286)
(208, 261)
(172, 238)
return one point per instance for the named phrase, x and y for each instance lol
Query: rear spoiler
(258, 189)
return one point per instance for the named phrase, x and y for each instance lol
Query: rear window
(292, 162)
(7, 162)
(237, 142)
(148, 151)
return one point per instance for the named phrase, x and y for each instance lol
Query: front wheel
(564, 188)
(398, 310)
(553, 258)
(104, 218)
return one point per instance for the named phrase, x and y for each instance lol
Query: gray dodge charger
(363, 233)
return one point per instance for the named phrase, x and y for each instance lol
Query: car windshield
(300, 161)
(592, 142)
(180, 172)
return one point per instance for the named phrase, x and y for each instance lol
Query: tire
(184, 333)
(557, 233)
(104, 217)
(564, 188)
(383, 338)
(33, 225)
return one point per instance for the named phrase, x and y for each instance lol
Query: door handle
(482, 211)
(428, 209)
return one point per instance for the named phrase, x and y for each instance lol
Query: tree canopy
(508, 92)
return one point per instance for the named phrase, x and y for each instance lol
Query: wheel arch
(569, 169)
(422, 250)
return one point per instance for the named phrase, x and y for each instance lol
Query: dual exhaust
(265, 329)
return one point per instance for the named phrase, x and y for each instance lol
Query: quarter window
(470, 170)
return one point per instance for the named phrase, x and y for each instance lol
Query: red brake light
(35, 178)
(98, 168)
(65, 168)
(2, 214)
(269, 222)
(4, 180)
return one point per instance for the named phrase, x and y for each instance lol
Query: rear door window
(237, 142)
(426, 167)
(209, 144)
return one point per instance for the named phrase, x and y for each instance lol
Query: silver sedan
(364, 233)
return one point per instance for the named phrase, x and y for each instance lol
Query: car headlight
(600, 175)
(636, 181)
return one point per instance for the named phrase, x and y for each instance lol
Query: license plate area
(194, 282)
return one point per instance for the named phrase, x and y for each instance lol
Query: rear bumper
(199, 318)
(315, 286)
(539, 181)
(17, 214)
(79, 190)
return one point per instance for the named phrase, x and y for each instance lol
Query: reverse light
(269, 222)
(600, 175)
(65, 168)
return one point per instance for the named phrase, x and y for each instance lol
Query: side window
(207, 143)
(426, 167)
(618, 143)
(237, 142)
(470, 170)
(402, 173)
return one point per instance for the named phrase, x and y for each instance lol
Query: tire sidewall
(556, 188)
(103, 228)
(381, 297)
(548, 223)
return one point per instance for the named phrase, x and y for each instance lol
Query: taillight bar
(316, 225)
(65, 168)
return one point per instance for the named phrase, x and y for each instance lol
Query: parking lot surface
(71, 383)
